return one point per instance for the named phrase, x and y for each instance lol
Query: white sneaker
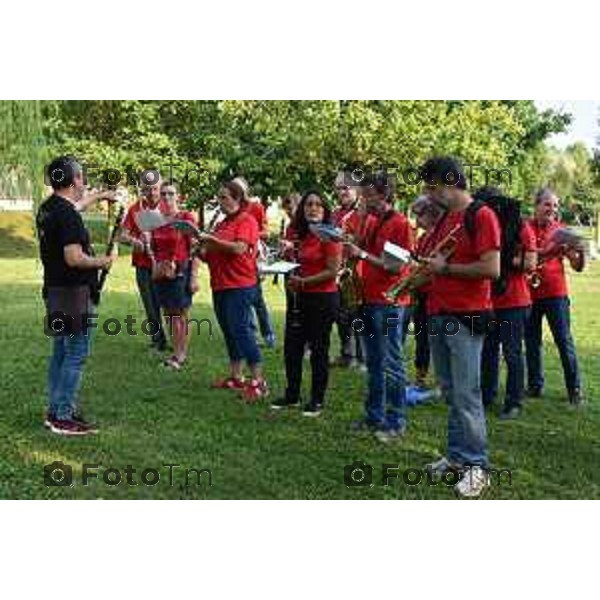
(473, 482)
(441, 466)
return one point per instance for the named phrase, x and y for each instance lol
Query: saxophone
(349, 281)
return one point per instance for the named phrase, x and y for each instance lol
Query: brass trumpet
(421, 273)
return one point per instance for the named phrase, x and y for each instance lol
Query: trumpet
(420, 273)
(561, 241)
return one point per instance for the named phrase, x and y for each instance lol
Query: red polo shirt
(517, 293)
(392, 227)
(170, 244)
(552, 272)
(459, 295)
(139, 259)
(312, 256)
(227, 270)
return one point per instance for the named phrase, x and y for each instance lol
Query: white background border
(279, 50)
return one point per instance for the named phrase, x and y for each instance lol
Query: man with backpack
(459, 307)
(511, 301)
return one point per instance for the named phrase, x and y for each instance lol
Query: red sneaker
(228, 384)
(255, 390)
(71, 428)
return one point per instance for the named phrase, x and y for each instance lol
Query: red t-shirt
(229, 271)
(257, 210)
(139, 259)
(392, 227)
(459, 295)
(170, 244)
(312, 256)
(552, 272)
(517, 292)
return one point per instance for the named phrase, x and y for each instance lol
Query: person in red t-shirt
(230, 252)
(142, 261)
(312, 305)
(351, 216)
(551, 300)
(426, 215)
(383, 319)
(176, 275)
(512, 308)
(458, 305)
(255, 207)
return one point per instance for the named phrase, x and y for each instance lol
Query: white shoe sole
(65, 433)
(311, 414)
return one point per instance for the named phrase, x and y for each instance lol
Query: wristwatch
(363, 255)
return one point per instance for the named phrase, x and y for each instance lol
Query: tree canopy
(285, 146)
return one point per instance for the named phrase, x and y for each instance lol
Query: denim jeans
(233, 308)
(65, 370)
(558, 313)
(265, 325)
(508, 331)
(149, 296)
(382, 337)
(456, 357)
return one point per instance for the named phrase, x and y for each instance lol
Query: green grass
(150, 417)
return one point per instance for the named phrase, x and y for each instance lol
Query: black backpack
(508, 211)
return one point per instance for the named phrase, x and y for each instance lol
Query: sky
(584, 127)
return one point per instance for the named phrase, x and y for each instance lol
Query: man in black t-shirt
(70, 281)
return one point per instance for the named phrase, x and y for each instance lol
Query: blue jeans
(558, 313)
(150, 299)
(456, 359)
(262, 314)
(64, 374)
(386, 399)
(509, 330)
(233, 308)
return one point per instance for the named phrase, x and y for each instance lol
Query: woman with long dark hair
(230, 252)
(313, 302)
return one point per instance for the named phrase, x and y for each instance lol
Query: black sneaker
(312, 409)
(510, 414)
(284, 403)
(534, 392)
(78, 418)
(71, 428)
(576, 397)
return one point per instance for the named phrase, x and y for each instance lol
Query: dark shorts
(175, 293)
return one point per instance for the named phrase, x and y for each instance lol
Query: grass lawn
(150, 417)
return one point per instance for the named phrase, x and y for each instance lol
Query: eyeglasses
(167, 193)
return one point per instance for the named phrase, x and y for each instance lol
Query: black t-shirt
(59, 225)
